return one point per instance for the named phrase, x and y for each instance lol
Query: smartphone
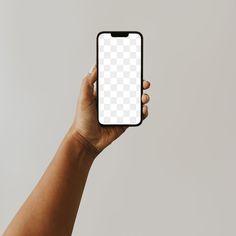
(119, 77)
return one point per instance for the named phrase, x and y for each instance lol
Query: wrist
(82, 144)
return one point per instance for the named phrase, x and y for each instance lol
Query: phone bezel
(117, 33)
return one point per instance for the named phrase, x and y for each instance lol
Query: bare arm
(52, 206)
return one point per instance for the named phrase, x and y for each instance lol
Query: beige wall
(174, 175)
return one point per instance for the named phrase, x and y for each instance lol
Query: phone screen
(119, 84)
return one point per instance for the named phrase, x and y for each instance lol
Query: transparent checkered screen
(119, 79)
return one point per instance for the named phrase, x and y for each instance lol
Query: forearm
(52, 206)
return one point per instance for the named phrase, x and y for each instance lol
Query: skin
(52, 206)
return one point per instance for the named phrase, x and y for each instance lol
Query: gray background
(175, 174)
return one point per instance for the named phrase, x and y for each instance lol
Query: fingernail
(92, 68)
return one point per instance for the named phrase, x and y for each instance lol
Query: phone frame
(119, 34)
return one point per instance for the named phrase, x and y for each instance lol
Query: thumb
(87, 87)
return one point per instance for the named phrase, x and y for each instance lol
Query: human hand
(86, 123)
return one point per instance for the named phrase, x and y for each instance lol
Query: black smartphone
(119, 77)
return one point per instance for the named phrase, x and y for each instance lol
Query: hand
(86, 123)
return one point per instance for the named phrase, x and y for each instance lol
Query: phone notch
(119, 34)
